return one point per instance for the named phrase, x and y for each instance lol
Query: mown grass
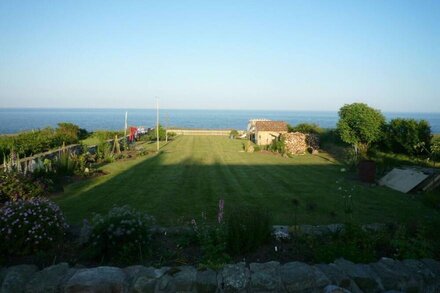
(192, 173)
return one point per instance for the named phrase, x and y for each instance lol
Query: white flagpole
(126, 125)
(157, 122)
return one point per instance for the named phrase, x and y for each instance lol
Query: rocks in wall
(297, 143)
(386, 275)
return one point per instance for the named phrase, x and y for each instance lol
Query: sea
(22, 119)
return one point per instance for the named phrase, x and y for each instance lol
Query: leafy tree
(306, 128)
(360, 125)
(408, 136)
(435, 149)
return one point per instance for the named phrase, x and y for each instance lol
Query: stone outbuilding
(263, 132)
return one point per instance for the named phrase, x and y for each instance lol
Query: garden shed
(263, 132)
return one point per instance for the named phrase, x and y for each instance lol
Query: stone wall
(340, 276)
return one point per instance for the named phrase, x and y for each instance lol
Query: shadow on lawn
(176, 193)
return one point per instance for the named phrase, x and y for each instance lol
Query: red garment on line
(133, 131)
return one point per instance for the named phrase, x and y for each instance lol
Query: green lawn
(192, 173)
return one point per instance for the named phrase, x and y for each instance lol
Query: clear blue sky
(291, 55)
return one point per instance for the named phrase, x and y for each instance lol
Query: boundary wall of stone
(386, 275)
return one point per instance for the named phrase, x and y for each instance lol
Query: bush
(17, 186)
(408, 136)
(123, 235)
(103, 135)
(233, 133)
(152, 134)
(37, 141)
(212, 238)
(306, 128)
(104, 152)
(412, 245)
(247, 229)
(352, 243)
(31, 226)
(277, 146)
(65, 164)
(435, 149)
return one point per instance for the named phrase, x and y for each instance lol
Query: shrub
(65, 164)
(435, 149)
(122, 235)
(152, 134)
(352, 243)
(233, 133)
(37, 141)
(17, 186)
(30, 226)
(247, 229)
(212, 238)
(408, 136)
(360, 125)
(104, 152)
(103, 135)
(411, 245)
(306, 128)
(277, 146)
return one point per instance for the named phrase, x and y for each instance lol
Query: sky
(275, 55)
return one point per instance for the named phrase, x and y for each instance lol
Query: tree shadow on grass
(177, 192)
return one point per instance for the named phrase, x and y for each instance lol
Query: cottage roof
(271, 126)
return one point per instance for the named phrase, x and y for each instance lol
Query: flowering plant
(122, 234)
(15, 185)
(28, 226)
(212, 238)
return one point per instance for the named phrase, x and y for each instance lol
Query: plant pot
(367, 171)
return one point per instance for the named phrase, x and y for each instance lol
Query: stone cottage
(263, 131)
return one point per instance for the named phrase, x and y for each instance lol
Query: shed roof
(271, 126)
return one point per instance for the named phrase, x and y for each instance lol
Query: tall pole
(126, 125)
(157, 122)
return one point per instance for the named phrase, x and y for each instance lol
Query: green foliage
(69, 133)
(29, 226)
(123, 235)
(352, 243)
(38, 141)
(233, 133)
(104, 152)
(306, 128)
(277, 146)
(360, 125)
(247, 229)
(408, 136)
(411, 245)
(435, 149)
(102, 135)
(65, 165)
(17, 186)
(152, 134)
(212, 241)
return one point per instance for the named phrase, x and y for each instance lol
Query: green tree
(306, 128)
(408, 136)
(435, 149)
(360, 125)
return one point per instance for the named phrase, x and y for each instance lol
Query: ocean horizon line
(204, 109)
